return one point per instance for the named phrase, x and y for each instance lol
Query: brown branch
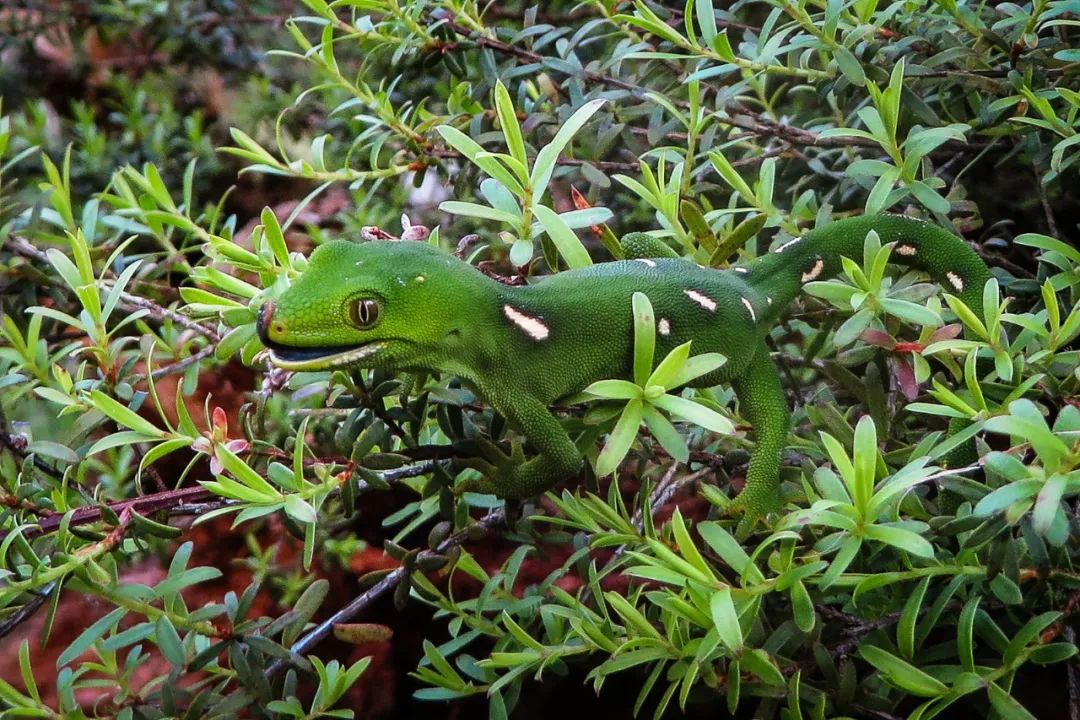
(385, 585)
(181, 365)
(529, 56)
(161, 313)
(144, 505)
(764, 127)
(751, 122)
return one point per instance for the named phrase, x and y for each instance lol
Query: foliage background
(165, 165)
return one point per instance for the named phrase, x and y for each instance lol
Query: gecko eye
(364, 313)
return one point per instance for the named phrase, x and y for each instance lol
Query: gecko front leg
(513, 477)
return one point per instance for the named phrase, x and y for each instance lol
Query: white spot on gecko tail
(956, 280)
(646, 261)
(813, 272)
(533, 327)
(741, 270)
(703, 300)
(768, 299)
(908, 250)
(664, 327)
(788, 244)
(749, 309)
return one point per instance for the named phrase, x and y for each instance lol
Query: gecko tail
(816, 256)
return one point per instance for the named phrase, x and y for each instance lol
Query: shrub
(528, 136)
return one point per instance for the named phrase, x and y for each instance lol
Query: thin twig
(27, 611)
(23, 247)
(1051, 223)
(744, 119)
(385, 585)
(181, 365)
(161, 313)
(17, 445)
(1073, 678)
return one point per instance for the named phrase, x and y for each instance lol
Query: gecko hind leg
(764, 404)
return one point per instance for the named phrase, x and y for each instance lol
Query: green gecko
(406, 306)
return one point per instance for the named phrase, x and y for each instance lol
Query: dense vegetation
(186, 531)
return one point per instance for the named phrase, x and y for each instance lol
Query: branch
(388, 583)
(751, 122)
(27, 610)
(144, 505)
(23, 247)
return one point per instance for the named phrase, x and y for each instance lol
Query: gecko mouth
(303, 358)
(294, 357)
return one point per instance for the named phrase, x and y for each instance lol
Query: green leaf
(305, 608)
(614, 389)
(687, 547)
(726, 620)
(246, 474)
(850, 66)
(504, 106)
(836, 292)
(881, 197)
(902, 539)
(549, 154)
(475, 152)
(1006, 466)
(300, 510)
(911, 312)
(905, 628)
(1044, 242)
(693, 368)
(1008, 707)
(721, 542)
(169, 641)
(669, 367)
(865, 462)
(802, 607)
(706, 17)
(644, 337)
(568, 243)
(731, 176)
(665, 433)
(1048, 503)
(119, 439)
(853, 327)
(233, 341)
(621, 438)
(124, 415)
(274, 236)
(903, 675)
(693, 412)
(1006, 590)
(458, 207)
(929, 197)
(89, 636)
(759, 663)
(1050, 448)
(55, 450)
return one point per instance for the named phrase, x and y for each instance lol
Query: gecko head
(375, 303)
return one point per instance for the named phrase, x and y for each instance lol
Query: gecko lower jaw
(302, 358)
